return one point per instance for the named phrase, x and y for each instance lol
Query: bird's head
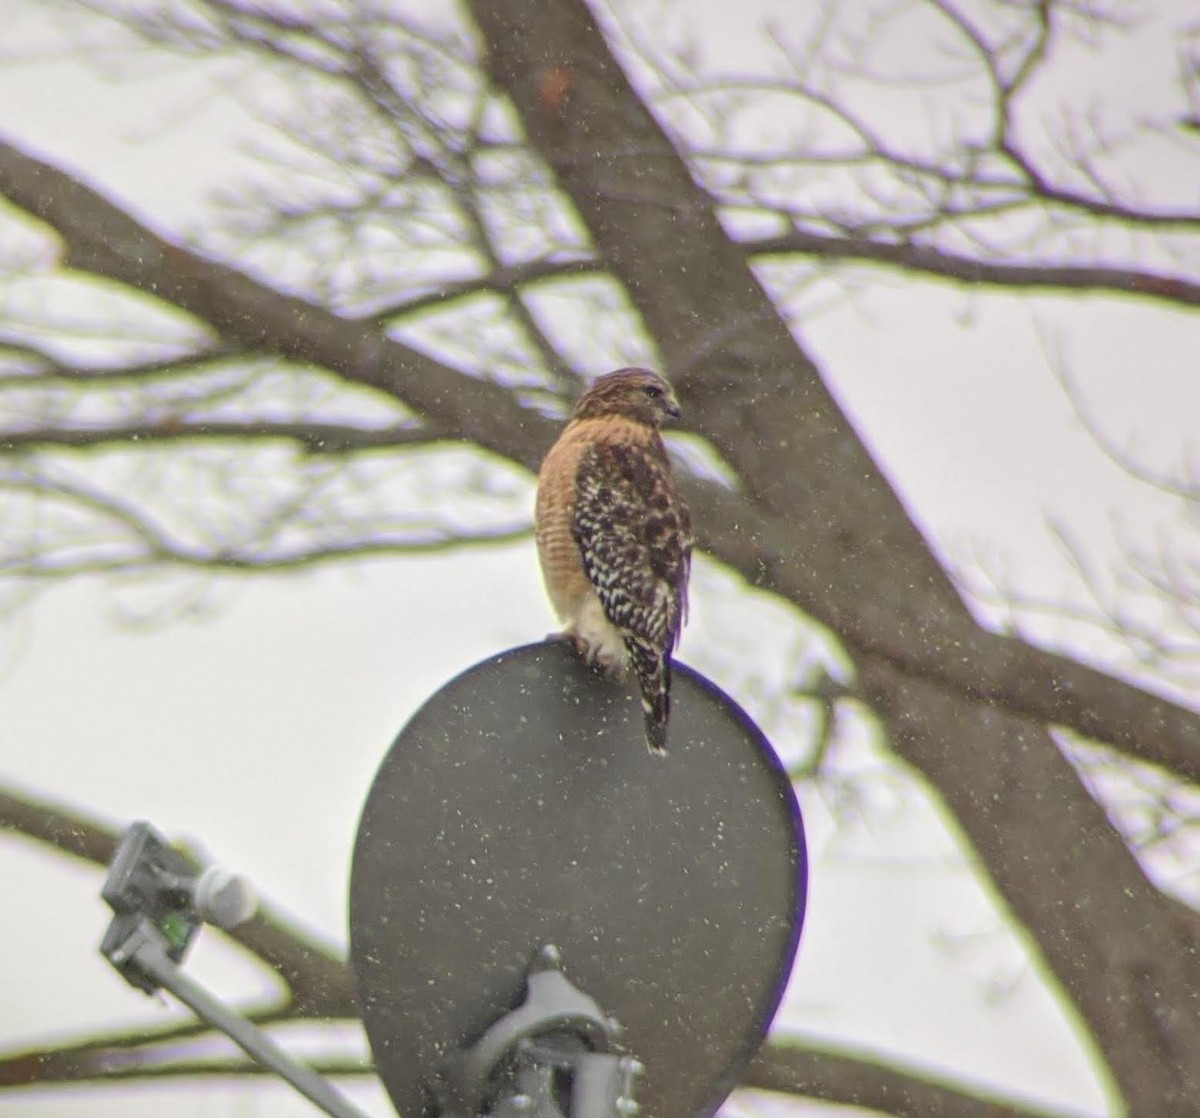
(638, 394)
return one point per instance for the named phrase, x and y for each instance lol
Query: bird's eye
(653, 391)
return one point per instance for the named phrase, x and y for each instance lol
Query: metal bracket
(160, 900)
(549, 1054)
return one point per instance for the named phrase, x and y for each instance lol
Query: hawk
(614, 536)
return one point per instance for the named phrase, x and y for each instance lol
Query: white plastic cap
(223, 898)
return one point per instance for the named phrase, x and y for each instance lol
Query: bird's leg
(596, 656)
(581, 647)
(601, 660)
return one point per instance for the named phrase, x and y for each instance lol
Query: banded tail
(653, 672)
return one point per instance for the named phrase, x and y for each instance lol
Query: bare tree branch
(1099, 279)
(958, 268)
(501, 280)
(797, 1068)
(47, 1069)
(101, 239)
(312, 437)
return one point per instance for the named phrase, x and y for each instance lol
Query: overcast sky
(255, 729)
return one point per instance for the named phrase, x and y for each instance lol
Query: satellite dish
(520, 808)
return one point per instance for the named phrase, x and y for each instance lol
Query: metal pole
(150, 956)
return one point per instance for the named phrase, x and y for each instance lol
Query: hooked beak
(672, 406)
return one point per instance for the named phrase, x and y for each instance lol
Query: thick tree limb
(102, 239)
(1097, 279)
(875, 1083)
(1126, 955)
(906, 259)
(861, 558)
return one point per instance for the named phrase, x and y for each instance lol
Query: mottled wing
(634, 538)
